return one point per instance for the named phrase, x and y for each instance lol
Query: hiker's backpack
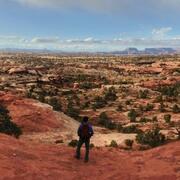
(85, 131)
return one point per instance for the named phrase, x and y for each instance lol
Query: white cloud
(161, 32)
(45, 40)
(11, 38)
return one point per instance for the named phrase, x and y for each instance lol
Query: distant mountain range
(146, 51)
(128, 51)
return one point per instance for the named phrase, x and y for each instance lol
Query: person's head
(85, 119)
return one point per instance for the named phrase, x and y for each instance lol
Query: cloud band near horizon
(159, 38)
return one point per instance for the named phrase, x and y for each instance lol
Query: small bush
(162, 107)
(73, 143)
(105, 121)
(6, 125)
(167, 118)
(159, 99)
(113, 144)
(110, 94)
(132, 115)
(176, 109)
(91, 145)
(149, 107)
(72, 112)
(55, 104)
(145, 120)
(129, 142)
(152, 137)
(130, 129)
(59, 141)
(143, 94)
(99, 102)
(154, 119)
(172, 91)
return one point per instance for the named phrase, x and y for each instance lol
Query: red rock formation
(29, 114)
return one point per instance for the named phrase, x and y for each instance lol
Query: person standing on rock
(85, 132)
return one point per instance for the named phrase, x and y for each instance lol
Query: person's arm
(91, 130)
(79, 131)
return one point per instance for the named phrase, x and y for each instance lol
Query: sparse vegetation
(105, 121)
(129, 142)
(132, 115)
(71, 111)
(130, 129)
(99, 102)
(55, 104)
(143, 94)
(162, 107)
(113, 144)
(167, 118)
(176, 109)
(110, 94)
(73, 143)
(152, 138)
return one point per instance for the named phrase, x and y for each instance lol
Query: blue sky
(89, 25)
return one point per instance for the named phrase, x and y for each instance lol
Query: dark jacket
(90, 130)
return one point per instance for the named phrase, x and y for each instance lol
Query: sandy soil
(35, 161)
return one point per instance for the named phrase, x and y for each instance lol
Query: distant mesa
(146, 51)
(128, 51)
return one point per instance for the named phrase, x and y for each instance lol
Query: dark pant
(80, 143)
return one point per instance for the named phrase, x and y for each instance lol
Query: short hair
(85, 119)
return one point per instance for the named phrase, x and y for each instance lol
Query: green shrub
(130, 129)
(91, 145)
(129, 142)
(110, 94)
(105, 121)
(143, 94)
(71, 111)
(177, 128)
(132, 115)
(176, 109)
(59, 141)
(152, 138)
(172, 91)
(73, 143)
(113, 144)
(149, 107)
(162, 107)
(145, 120)
(167, 118)
(99, 102)
(6, 125)
(159, 99)
(55, 104)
